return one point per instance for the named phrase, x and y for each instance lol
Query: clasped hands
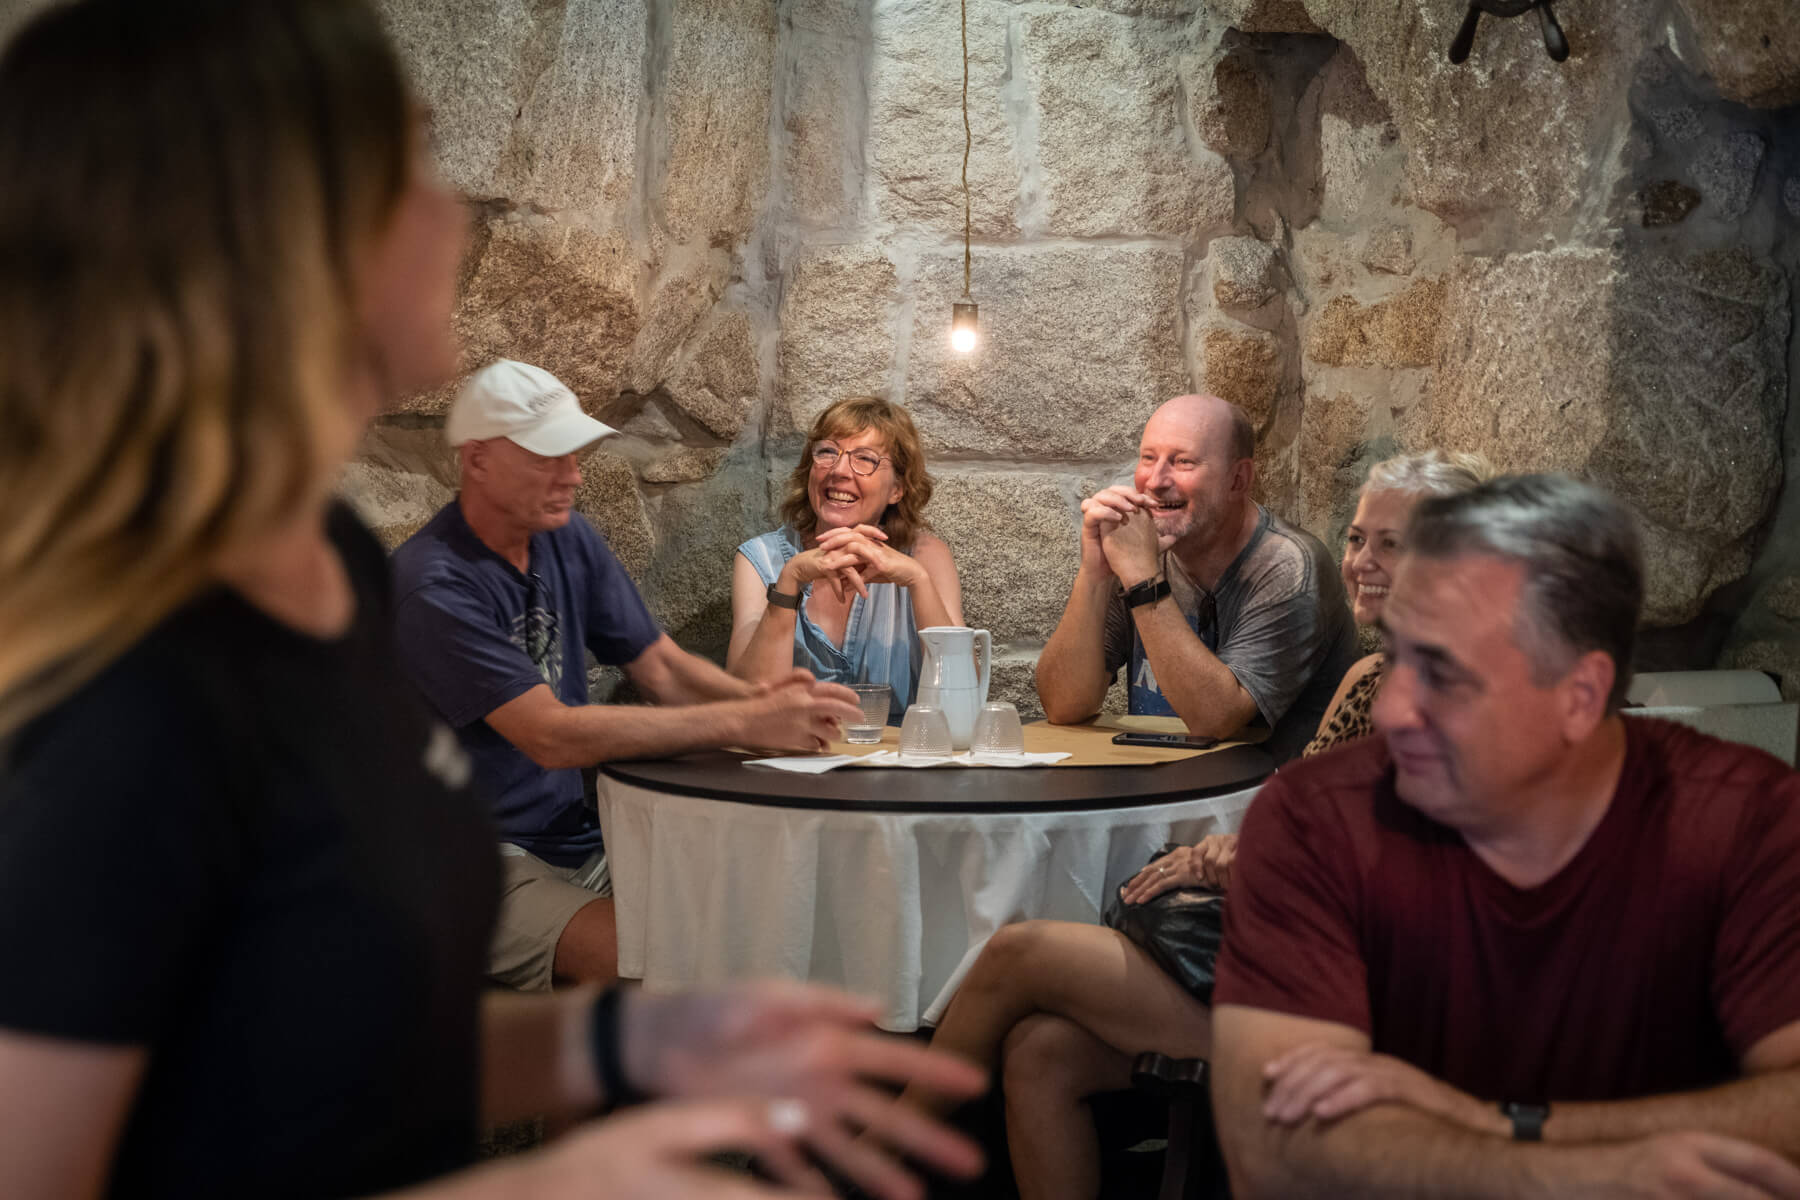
(850, 558)
(1119, 535)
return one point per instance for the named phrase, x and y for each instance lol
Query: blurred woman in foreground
(1066, 1007)
(245, 893)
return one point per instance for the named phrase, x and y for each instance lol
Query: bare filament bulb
(963, 327)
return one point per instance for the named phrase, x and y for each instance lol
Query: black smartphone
(1168, 741)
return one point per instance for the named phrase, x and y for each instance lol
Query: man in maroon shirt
(1520, 945)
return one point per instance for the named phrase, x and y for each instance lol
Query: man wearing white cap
(497, 596)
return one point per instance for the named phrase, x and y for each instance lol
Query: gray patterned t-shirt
(1279, 620)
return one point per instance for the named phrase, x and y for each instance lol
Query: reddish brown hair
(904, 519)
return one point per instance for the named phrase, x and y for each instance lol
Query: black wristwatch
(1148, 592)
(782, 599)
(1527, 1119)
(608, 1054)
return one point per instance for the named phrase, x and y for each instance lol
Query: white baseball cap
(525, 404)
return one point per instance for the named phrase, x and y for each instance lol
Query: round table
(883, 881)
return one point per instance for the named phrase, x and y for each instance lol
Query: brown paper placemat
(1088, 745)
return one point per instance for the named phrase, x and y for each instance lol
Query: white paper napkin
(989, 758)
(809, 765)
(889, 758)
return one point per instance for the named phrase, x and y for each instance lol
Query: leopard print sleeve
(1351, 719)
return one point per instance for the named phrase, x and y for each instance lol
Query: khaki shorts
(537, 902)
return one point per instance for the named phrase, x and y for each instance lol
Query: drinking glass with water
(874, 699)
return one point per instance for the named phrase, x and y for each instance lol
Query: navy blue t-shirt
(475, 632)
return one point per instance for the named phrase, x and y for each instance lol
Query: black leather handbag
(1181, 930)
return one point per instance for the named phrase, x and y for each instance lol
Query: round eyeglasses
(863, 462)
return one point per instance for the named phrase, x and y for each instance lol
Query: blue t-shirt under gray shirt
(475, 632)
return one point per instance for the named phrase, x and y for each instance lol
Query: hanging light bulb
(963, 327)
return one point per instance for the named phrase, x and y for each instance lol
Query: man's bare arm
(797, 716)
(1395, 1150)
(1388, 1151)
(1071, 671)
(1202, 690)
(671, 675)
(1764, 1109)
(1326, 1082)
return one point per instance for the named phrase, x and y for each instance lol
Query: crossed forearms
(1408, 1135)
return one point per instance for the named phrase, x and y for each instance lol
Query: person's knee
(1011, 953)
(1048, 1054)
(587, 951)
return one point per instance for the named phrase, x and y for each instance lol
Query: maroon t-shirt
(1665, 949)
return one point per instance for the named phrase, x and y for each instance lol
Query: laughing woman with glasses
(853, 521)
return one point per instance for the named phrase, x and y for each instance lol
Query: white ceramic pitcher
(948, 678)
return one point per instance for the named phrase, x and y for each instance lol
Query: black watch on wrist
(1148, 592)
(608, 1053)
(782, 599)
(1527, 1119)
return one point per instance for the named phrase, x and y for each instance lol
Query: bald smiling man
(1229, 617)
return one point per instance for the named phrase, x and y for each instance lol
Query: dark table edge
(1172, 784)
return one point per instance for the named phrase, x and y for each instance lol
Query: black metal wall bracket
(1555, 44)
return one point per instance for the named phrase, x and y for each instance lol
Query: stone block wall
(714, 217)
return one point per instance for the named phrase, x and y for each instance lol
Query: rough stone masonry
(714, 217)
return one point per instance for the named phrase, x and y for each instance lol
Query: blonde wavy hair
(903, 520)
(187, 188)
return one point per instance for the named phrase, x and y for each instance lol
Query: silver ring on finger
(788, 1117)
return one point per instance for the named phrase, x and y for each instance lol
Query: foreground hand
(810, 1044)
(797, 713)
(1133, 547)
(1320, 1082)
(654, 1153)
(1688, 1164)
(1207, 863)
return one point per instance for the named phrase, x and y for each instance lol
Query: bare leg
(588, 950)
(1089, 974)
(1051, 1065)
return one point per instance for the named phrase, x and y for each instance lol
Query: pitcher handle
(987, 660)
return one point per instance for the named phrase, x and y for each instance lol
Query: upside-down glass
(925, 732)
(874, 699)
(997, 730)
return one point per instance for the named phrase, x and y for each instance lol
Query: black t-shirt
(256, 854)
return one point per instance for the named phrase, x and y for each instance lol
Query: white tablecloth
(894, 906)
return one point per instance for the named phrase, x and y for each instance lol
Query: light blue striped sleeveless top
(881, 637)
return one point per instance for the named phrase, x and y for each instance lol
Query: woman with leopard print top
(1372, 546)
